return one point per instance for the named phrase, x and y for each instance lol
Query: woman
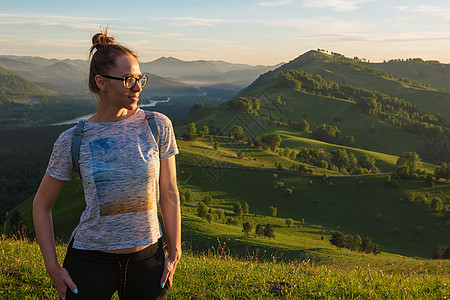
(126, 175)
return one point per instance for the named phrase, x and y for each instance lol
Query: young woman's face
(116, 93)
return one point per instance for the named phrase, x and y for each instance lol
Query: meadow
(217, 275)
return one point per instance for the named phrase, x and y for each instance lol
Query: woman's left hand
(170, 264)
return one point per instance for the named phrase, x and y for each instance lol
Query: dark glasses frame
(125, 78)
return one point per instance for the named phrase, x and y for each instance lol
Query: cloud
(337, 5)
(382, 38)
(425, 9)
(168, 34)
(193, 21)
(275, 3)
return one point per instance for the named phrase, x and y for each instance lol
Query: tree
(202, 209)
(272, 211)
(191, 128)
(209, 217)
(338, 239)
(268, 231)
(188, 136)
(303, 125)
(238, 133)
(205, 130)
(408, 163)
(356, 243)
(272, 140)
(326, 133)
(188, 195)
(367, 245)
(443, 171)
(245, 208)
(439, 252)
(259, 230)
(289, 222)
(436, 204)
(366, 161)
(238, 209)
(216, 146)
(247, 228)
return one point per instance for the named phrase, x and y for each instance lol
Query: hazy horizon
(251, 32)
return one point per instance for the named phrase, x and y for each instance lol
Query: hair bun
(102, 39)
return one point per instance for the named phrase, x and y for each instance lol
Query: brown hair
(103, 54)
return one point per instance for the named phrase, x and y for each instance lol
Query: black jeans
(98, 275)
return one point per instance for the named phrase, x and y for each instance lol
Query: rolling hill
(321, 98)
(16, 88)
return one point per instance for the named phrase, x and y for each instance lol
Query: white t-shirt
(119, 165)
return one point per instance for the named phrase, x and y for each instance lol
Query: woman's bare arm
(170, 209)
(46, 196)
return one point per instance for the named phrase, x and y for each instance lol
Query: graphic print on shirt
(122, 183)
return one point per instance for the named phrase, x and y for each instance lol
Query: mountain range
(168, 76)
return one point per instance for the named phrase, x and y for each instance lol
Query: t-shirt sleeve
(60, 165)
(168, 144)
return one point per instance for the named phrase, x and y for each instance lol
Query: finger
(166, 272)
(68, 280)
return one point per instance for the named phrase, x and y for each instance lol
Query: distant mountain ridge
(72, 75)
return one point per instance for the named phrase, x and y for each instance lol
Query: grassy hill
(350, 72)
(369, 133)
(388, 128)
(22, 276)
(435, 74)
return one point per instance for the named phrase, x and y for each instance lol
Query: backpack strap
(76, 143)
(152, 123)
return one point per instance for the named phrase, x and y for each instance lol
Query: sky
(260, 32)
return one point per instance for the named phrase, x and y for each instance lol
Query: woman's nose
(137, 87)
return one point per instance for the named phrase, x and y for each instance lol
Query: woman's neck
(108, 114)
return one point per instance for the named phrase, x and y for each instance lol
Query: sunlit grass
(217, 275)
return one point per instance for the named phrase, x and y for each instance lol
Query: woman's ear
(100, 81)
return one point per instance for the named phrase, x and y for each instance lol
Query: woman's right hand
(61, 279)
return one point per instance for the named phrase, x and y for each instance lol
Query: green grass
(364, 206)
(217, 275)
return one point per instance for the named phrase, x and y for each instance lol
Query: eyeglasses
(130, 81)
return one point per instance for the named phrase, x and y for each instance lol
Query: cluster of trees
(338, 160)
(260, 230)
(203, 211)
(240, 208)
(189, 135)
(200, 105)
(331, 134)
(248, 105)
(436, 204)
(269, 141)
(442, 171)
(398, 112)
(355, 64)
(354, 243)
(441, 252)
(409, 166)
(303, 125)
